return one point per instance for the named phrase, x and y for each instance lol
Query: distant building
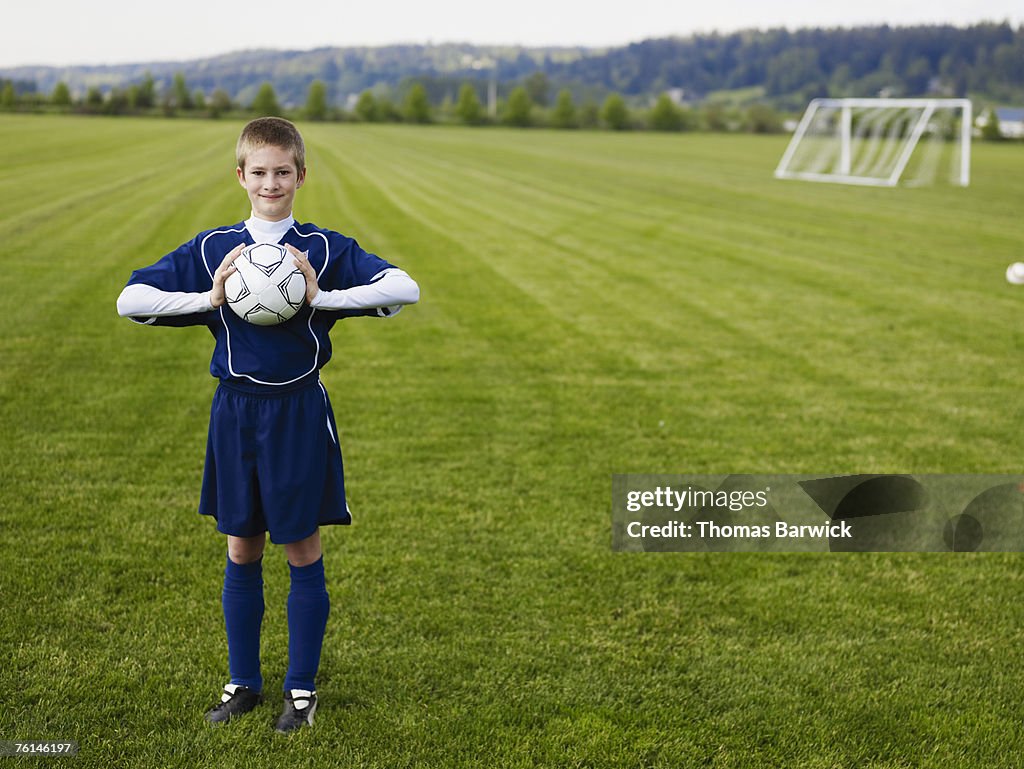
(1011, 121)
(677, 95)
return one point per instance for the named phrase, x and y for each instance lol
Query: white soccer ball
(1015, 273)
(266, 287)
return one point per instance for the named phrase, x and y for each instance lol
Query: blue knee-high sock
(243, 617)
(308, 607)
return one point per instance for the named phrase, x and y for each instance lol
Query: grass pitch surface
(591, 303)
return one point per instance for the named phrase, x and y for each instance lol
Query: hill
(782, 66)
(345, 70)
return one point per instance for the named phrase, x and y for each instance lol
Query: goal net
(881, 142)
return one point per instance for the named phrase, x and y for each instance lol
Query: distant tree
(614, 113)
(132, 95)
(762, 119)
(61, 95)
(167, 104)
(117, 102)
(564, 115)
(387, 111)
(366, 107)
(666, 116)
(447, 106)
(839, 82)
(917, 76)
(519, 107)
(416, 108)
(468, 108)
(689, 118)
(146, 95)
(991, 130)
(590, 115)
(716, 118)
(199, 99)
(793, 68)
(7, 97)
(316, 101)
(265, 102)
(220, 102)
(1008, 60)
(538, 86)
(180, 97)
(93, 99)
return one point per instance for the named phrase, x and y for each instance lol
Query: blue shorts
(273, 462)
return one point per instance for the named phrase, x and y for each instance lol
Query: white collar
(263, 231)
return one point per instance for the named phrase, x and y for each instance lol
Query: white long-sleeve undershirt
(389, 292)
(140, 300)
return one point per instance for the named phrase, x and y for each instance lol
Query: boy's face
(270, 179)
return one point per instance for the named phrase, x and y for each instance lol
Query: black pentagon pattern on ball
(265, 256)
(254, 315)
(293, 289)
(238, 285)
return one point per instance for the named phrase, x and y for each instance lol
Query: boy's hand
(302, 262)
(222, 273)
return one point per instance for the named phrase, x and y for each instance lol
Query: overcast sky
(118, 31)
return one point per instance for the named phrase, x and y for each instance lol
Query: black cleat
(236, 700)
(299, 707)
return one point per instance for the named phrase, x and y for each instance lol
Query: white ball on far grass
(1015, 273)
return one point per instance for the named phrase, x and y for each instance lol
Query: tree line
(526, 105)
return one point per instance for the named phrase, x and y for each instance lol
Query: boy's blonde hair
(274, 132)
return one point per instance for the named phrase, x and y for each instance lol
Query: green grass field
(592, 303)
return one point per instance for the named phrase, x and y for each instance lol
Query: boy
(272, 459)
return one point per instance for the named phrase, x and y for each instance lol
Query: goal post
(880, 142)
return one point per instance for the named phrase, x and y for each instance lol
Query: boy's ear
(241, 175)
(302, 178)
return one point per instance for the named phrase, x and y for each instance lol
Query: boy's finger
(232, 255)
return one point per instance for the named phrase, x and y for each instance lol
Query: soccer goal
(880, 142)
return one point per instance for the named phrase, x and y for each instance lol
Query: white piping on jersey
(327, 413)
(327, 249)
(202, 247)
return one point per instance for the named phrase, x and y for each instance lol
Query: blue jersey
(266, 355)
